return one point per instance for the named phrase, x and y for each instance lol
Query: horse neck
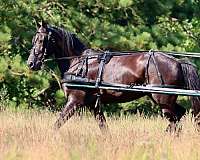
(63, 64)
(67, 47)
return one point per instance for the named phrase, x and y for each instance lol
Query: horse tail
(192, 82)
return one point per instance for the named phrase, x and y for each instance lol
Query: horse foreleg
(100, 118)
(66, 114)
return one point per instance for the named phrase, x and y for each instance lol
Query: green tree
(106, 24)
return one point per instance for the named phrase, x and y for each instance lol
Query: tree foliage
(171, 25)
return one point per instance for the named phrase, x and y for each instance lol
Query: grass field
(29, 135)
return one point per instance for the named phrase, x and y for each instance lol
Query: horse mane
(72, 46)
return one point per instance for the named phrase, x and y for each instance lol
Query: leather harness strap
(101, 69)
(152, 56)
(103, 61)
(82, 68)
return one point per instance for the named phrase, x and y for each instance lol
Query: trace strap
(99, 78)
(182, 54)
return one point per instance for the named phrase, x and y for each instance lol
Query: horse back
(124, 69)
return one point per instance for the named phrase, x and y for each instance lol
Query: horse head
(55, 41)
(40, 47)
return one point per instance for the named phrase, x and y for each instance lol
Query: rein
(182, 54)
(94, 55)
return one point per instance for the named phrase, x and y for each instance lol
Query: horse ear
(37, 23)
(44, 24)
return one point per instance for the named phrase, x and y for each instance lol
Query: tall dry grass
(29, 136)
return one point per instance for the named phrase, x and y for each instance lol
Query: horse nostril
(31, 65)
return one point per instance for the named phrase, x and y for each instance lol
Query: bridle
(45, 46)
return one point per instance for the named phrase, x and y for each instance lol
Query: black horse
(138, 68)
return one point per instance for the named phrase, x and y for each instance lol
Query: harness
(102, 59)
(45, 48)
(152, 57)
(82, 70)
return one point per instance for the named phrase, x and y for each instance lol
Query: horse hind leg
(171, 110)
(179, 111)
(174, 115)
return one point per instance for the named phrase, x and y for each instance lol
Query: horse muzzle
(34, 66)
